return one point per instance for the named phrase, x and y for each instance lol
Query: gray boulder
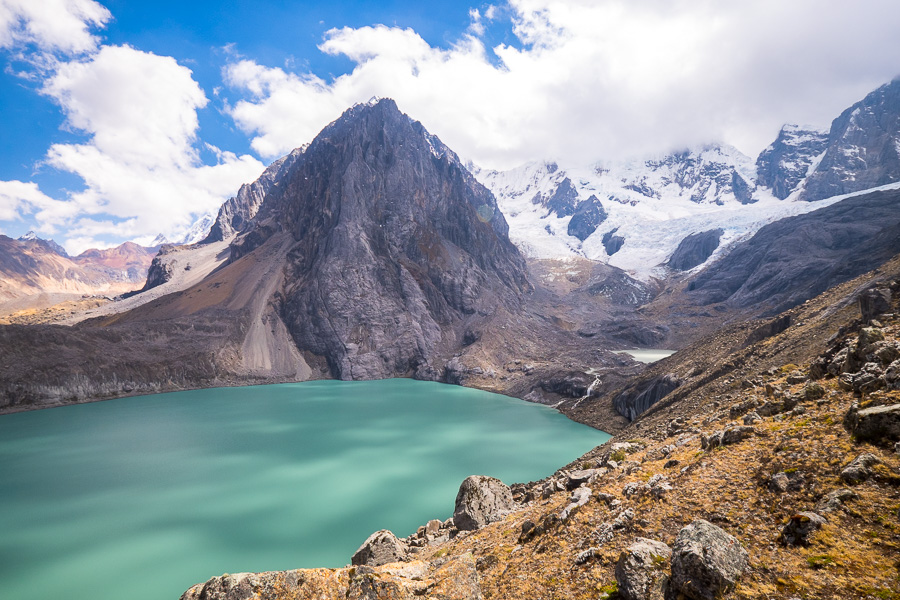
(706, 561)
(481, 500)
(381, 548)
(639, 570)
(877, 424)
(835, 500)
(733, 435)
(579, 498)
(859, 469)
(800, 528)
(874, 302)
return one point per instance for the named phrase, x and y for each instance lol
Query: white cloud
(141, 169)
(51, 25)
(18, 198)
(594, 79)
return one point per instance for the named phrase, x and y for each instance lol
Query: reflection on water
(142, 497)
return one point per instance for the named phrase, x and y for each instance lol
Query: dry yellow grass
(855, 555)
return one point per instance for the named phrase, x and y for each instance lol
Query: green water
(140, 498)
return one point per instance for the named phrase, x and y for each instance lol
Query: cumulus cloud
(137, 113)
(591, 80)
(20, 197)
(140, 165)
(51, 25)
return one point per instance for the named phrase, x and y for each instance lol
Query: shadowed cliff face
(397, 247)
(792, 260)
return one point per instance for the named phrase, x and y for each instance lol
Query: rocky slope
(774, 475)
(796, 258)
(236, 213)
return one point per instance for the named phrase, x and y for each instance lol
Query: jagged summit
(863, 149)
(31, 236)
(395, 245)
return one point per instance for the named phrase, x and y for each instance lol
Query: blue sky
(122, 119)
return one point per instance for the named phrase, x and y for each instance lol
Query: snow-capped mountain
(863, 149)
(786, 163)
(31, 236)
(195, 233)
(635, 214)
(199, 230)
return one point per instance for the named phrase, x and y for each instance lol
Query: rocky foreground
(782, 484)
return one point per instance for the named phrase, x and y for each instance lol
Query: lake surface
(647, 355)
(140, 498)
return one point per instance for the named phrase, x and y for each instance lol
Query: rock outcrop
(783, 166)
(877, 424)
(706, 561)
(612, 243)
(633, 401)
(863, 147)
(640, 571)
(481, 500)
(586, 218)
(695, 249)
(380, 548)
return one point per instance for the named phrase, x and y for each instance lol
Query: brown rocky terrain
(775, 475)
(40, 283)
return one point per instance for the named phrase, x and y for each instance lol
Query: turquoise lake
(140, 498)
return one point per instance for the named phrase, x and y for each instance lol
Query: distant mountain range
(634, 214)
(37, 272)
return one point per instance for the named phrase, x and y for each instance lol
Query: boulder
(481, 500)
(640, 570)
(578, 477)
(706, 561)
(859, 469)
(874, 302)
(579, 498)
(751, 418)
(381, 548)
(733, 435)
(835, 500)
(786, 482)
(799, 529)
(813, 391)
(877, 424)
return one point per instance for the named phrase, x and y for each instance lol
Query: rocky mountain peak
(785, 163)
(31, 236)
(396, 247)
(863, 149)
